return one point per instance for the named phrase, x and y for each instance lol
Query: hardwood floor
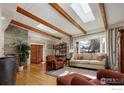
(34, 74)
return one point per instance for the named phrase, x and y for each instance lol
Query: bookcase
(60, 50)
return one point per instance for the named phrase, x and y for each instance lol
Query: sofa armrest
(105, 73)
(80, 81)
(104, 60)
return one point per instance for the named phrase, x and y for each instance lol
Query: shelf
(60, 49)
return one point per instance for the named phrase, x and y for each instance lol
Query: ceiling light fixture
(84, 11)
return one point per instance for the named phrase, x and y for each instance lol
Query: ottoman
(66, 80)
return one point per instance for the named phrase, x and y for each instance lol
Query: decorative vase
(21, 68)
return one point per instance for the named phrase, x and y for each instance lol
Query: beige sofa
(89, 60)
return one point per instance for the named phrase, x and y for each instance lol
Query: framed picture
(49, 46)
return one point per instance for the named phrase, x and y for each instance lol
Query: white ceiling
(114, 13)
(7, 11)
(90, 25)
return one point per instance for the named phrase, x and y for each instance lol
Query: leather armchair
(54, 63)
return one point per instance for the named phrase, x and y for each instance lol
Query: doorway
(36, 54)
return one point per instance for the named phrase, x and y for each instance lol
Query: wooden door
(122, 50)
(36, 53)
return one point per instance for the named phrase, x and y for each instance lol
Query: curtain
(71, 43)
(113, 47)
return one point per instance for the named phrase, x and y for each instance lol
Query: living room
(83, 47)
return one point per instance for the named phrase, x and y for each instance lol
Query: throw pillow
(100, 57)
(81, 57)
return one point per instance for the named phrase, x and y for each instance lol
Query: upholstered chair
(53, 63)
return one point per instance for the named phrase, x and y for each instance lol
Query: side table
(68, 61)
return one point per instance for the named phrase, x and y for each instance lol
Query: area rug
(70, 70)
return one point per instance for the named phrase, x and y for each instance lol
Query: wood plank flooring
(34, 74)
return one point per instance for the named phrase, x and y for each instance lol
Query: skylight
(84, 11)
(47, 29)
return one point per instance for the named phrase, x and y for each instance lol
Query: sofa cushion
(87, 56)
(81, 57)
(94, 56)
(74, 56)
(78, 56)
(101, 56)
(96, 62)
(80, 61)
(98, 56)
(84, 61)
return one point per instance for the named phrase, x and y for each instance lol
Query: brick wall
(13, 34)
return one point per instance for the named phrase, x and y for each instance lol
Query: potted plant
(23, 53)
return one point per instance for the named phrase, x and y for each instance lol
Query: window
(92, 45)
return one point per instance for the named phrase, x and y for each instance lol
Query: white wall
(37, 39)
(7, 12)
(49, 51)
(90, 36)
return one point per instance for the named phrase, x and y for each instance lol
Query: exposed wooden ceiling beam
(33, 29)
(67, 16)
(103, 14)
(30, 15)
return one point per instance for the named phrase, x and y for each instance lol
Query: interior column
(1, 36)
